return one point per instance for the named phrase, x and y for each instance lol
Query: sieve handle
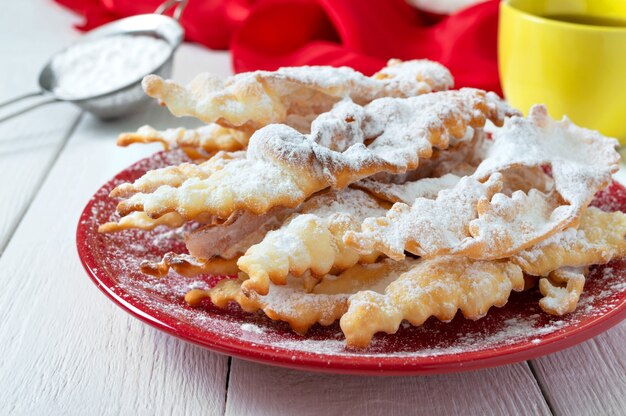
(168, 4)
(32, 106)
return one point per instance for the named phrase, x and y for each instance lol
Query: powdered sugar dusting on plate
(115, 258)
(252, 328)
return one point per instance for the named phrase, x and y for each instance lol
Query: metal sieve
(128, 98)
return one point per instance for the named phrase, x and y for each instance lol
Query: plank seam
(542, 387)
(55, 157)
(230, 361)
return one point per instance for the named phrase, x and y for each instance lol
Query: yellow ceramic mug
(546, 55)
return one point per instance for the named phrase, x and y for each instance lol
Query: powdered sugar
(520, 323)
(430, 226)
(283, 167)
(582, 160)
(252, 328)
(234, 237)
(408, 192)
(259, 98)
(103, 65)
(397, 79)
(358, 204)
(402, 76)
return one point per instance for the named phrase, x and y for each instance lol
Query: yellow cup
(569, 55)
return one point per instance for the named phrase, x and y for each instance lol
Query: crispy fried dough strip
(436, 287)
(233, 237)
(599, 239)
(141, 221)
(203, 141)
(215, 248)
(507, 224)
(252, 100)
(430, 226)
(189, 266)
(526, 178)
(296, 307)
(561, 290)
(582, 162)
(175, 176)
(300, 307)
(460, 159)
(432, 175)
(284, 167)
(408, 192)
(441, 171)
(310, 240)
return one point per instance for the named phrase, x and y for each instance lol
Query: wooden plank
(30, 143)
(256, 389)
(589, 379)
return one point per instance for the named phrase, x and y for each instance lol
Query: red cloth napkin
(267, 34)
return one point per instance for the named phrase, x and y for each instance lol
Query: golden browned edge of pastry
(561, 290)
(188, 266)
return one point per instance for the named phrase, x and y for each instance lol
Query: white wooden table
(66, 349)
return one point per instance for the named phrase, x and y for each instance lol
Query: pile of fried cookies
(332, 195)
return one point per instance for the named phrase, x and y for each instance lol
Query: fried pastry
(251, 100)
(430, 226)
(525, 179)
(302, 307)
(139, 220)
(561, 290)
(311, 240)
(408, 192)
(460, 159)
(190, 266)
(507, 224)
(283, 167)
(235, 236)
(441, 171)
(294, 178)
(599, 239)
(215, 248)
(581, 162)
(436, 287)
(175, 176)
(199, 144)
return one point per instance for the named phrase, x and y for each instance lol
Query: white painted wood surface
(66, 349)
(589, 379)
(256, 389)
(30, 143)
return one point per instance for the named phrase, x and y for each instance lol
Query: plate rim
(302, 360)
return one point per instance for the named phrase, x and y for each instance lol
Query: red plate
(519, 331)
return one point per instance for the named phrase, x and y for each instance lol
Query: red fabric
(267, 34)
